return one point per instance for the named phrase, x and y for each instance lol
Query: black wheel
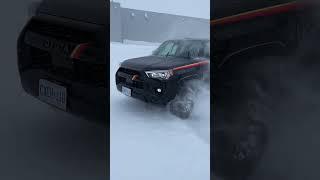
(247, 149)
(240, 141)
(238, 155)
(182, 105)
(181, 108)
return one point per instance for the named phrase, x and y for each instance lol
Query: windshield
(184, 48)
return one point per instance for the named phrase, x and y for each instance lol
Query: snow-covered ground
(147, 142)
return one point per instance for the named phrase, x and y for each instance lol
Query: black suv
(160, 77)
(62, 56)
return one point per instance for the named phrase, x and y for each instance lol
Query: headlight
(159, 74)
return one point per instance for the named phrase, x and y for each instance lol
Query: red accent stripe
(282, 8)
(78, 50)
(191, 65)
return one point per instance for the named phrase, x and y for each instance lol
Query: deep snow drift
(147, 142)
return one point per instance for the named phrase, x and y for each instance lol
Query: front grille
(124, 76)
(129, 71)
(89, 72)
(138, 84)
(59, 64)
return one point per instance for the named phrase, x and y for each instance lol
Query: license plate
(53, 94)
(126, 91)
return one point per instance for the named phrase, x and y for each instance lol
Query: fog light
(159, 90)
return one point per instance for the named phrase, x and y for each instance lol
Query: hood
(92, 11)
(155, 63)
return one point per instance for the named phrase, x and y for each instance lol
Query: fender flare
(261, 47)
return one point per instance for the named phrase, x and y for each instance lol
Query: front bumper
(85, 81)
(84, 100)
(145, 88)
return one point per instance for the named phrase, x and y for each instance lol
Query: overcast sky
(193, 8)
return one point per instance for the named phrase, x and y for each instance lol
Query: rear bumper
(145, 88)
